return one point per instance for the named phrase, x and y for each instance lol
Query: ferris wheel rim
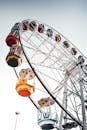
(35, 71)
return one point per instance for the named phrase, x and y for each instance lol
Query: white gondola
(47, 118)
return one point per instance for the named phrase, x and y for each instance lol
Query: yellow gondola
(13, 60)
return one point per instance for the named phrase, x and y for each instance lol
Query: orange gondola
(24, 89)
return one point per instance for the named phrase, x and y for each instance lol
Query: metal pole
(17, 113)
(64, 104)
(82, 99)
(83, 106)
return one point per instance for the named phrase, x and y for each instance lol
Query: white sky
(69, 17)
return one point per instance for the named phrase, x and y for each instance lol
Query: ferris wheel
(51, 72)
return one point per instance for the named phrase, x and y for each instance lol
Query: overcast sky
(69, 17)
